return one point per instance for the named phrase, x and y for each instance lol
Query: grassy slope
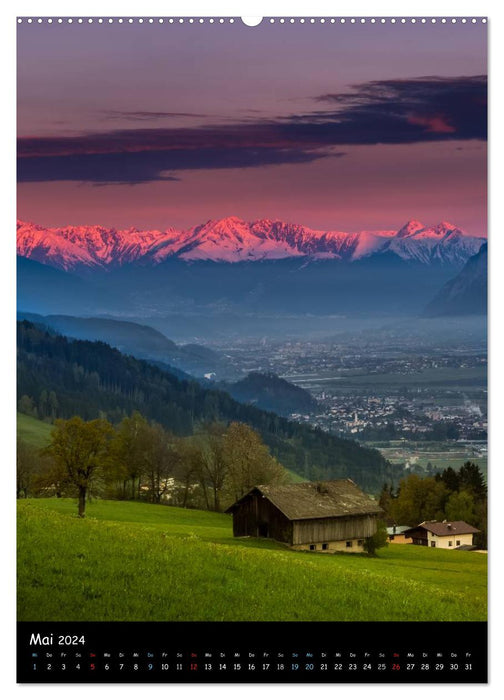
(34, 432)
(131, 561)
(295, 478)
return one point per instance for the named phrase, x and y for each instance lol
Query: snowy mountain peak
(228, 222)
(445, 228)
(415, 229)
(410, 228)
(90, 246)
(231, 240)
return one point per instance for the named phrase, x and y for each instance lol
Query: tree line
(140, 460)
(449, 495)
(438, 431)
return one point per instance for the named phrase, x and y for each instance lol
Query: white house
(444, 535)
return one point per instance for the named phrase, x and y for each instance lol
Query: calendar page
(252, 349)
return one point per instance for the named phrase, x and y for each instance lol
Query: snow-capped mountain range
(232, 240)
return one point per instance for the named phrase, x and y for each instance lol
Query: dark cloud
(260, 135)
(390, 112)
(406, 111)
(148, 116)
(147, 166)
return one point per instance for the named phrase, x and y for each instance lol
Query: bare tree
(188, 471)
(160, 459)
(127, 453)
(213, 463)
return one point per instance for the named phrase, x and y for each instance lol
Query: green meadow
(32, 431)
(133, 561)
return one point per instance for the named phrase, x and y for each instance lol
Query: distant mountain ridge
(232, 240)
(135, 339)
(465, 294)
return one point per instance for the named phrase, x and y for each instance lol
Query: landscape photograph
(251, 321)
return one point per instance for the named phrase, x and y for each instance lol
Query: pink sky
(335, 127)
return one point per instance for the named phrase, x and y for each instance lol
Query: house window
(360, 543)
(457, 543)
(349, 544)
(313, 547)
(325, 545)
(432, 544)
(450, 543)
(391, 537)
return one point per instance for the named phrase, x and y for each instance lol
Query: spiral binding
(266, 20)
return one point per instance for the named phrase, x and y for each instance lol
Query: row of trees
(449, 495)
(45, 408)
(139, 459)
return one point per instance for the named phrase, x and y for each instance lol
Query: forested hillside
(271, 393)
(59, 378)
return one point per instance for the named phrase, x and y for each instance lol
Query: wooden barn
(324, 516)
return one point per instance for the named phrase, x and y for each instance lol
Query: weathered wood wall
(419, 536)
(332, 529)
(258, 517)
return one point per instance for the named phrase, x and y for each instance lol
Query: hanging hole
(251, 21)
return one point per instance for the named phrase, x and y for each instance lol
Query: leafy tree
(50, 478)
(80, 449)
(36, 472)
(143, 454)
(378, 540)
(461, 506)
(27, 406)
(419, 499)
(26, 468)
(386, 497)
(481, 538)
(249, 462)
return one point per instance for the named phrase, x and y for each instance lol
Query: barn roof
(322, 499)
(442, 529)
